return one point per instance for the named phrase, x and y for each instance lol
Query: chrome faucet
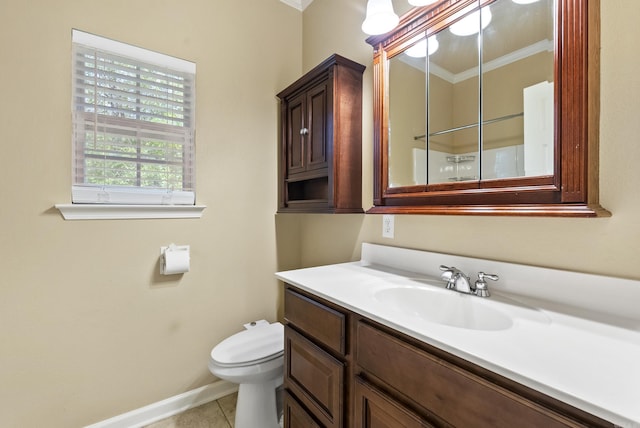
(458, 281)
(447, 275)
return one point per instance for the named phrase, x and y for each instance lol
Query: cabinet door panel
(295, 416)
(457, 396)
(295, 141)
(375, 410)
(315, 377)
(318, 120)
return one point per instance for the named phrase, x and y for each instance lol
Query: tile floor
(216, 414)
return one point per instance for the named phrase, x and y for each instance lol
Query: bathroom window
(133, 124)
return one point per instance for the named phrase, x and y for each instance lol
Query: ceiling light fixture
(419, 50)
(470, 24)
(380, 17)
(524, 1)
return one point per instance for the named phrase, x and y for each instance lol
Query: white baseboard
(171, 406)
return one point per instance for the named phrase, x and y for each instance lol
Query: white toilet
(253, 358)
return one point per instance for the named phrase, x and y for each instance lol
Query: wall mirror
(488, 107)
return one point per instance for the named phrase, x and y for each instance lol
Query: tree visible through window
(133, 116)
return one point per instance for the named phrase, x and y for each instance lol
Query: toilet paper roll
(174, 260)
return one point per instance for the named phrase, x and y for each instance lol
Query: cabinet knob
(304, 131)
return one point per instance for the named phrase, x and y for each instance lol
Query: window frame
(84, 192)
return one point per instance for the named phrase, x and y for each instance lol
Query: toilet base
(256, 406)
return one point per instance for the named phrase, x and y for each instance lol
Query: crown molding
(301, 5)
(533, 49)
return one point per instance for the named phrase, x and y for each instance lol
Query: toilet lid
(260, 343)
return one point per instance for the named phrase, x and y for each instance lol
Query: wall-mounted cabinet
(320, 166)
(498, 118)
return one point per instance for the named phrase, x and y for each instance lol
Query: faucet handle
(481, 284)
(492, 277)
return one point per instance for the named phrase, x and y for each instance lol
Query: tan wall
(503, 94)
(88, 329)
(604, 245)
(406, 120)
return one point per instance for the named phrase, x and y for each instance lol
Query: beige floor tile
(228, 405)
(208, 415)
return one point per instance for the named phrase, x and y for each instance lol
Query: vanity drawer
(315, 377)
(457, 396)
(319, 321)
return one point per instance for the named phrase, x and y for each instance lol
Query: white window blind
(133, 124)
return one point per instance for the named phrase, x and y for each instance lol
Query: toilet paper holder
(174, 259)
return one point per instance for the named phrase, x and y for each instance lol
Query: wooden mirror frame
(572, 190)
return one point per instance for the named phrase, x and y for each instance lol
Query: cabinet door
(373, 409)
(295, 416)
(317, 124)
(459, 397)
(296, 134)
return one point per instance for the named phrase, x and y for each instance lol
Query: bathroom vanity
(382, 343)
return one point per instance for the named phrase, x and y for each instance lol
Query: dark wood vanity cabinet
(320, 166)
(449, 391)
(345, 370)
(315, 362)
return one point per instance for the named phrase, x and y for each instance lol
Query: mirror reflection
(482, 91)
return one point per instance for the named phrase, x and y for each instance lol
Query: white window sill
(121, 212)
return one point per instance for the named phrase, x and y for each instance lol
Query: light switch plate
(387, 226)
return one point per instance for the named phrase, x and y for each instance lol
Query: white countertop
(587, 358)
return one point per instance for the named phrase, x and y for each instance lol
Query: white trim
(169, 407)
(301, 5)
(143, 55)
(511, 57)
(120, 212)
(442, 73)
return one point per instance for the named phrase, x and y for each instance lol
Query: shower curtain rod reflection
(459, 128)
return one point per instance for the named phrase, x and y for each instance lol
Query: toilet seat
(252, 346)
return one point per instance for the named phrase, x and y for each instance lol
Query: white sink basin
(446, 307)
